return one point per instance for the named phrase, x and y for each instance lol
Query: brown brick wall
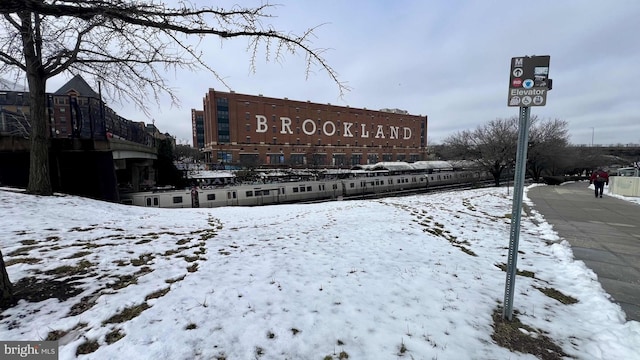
(264, 125)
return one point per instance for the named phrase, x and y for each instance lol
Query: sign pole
(516, 211)
(529, 84)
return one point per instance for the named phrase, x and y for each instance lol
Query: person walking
(599, 178)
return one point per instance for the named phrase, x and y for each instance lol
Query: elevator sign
(529, 81)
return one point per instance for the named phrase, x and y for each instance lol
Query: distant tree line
(493, 147)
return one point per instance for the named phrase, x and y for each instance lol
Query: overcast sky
(448, 60)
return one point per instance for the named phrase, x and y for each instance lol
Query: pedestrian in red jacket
(599, 178)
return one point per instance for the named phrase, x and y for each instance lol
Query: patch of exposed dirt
(32, 289)
(517, 336)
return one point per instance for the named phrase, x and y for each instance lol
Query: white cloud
(447, 60)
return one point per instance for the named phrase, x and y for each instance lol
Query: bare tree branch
(130, 46)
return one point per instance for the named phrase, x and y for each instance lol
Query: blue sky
(448, 60)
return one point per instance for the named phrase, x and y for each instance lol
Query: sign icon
(526, 101)
(517, 72)
(517, 82)
(514, 101)
(527, 84)
(537, 100)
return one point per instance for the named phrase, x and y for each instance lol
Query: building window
(211, 197)
(177, 199)
(276, 158)
(298, 159)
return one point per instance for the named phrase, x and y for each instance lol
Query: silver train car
(361, 181)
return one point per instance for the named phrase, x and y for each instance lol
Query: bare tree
(188, 153)
(492, 146)
(127, 45)
(548, 148)
(6, 293)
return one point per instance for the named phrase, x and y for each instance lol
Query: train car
(359, 182)
(209, 179)
(627, 171)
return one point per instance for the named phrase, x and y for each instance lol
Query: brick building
(92, 149)
(248, 130)
(75, 111)
(197, 125)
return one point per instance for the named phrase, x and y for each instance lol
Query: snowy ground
(414, 277)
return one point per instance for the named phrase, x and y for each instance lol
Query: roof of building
(392, 166)
(209, 174)
(432, 164)
(79, 85)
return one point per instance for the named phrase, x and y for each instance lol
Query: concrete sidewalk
(603, 232)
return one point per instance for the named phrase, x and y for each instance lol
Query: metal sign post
(516, 211)
(528, 86)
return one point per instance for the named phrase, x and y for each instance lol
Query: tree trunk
(496, 178)
(6, 289)
(39, 178)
